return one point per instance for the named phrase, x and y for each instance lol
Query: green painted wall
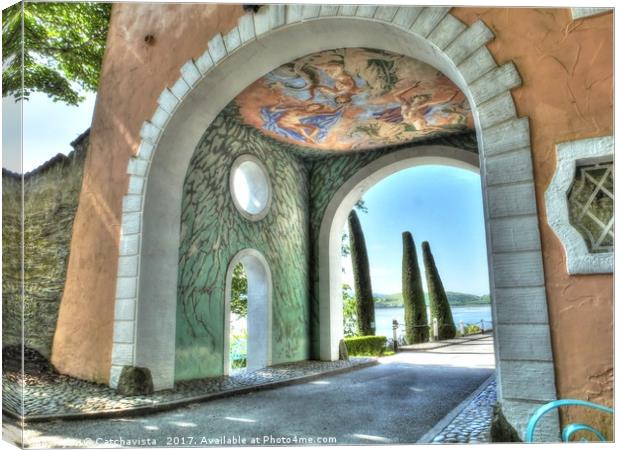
(213, 231)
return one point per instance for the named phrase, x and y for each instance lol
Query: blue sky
(49, 128)
(439, 204)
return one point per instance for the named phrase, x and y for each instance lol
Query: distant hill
(455, 299)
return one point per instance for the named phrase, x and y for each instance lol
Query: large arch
(144, 327)
(259, 309)
(335, 217)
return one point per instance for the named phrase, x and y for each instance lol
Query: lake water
(468, 314)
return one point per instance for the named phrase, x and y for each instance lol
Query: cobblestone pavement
(60, 395)
(473, 424)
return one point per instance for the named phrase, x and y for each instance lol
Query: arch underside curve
(148, 255)
(259, 309)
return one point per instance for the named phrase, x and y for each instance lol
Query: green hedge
(365, 345)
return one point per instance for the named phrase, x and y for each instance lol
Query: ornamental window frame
(571, 155)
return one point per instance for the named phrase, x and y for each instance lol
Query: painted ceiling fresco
(354, 98)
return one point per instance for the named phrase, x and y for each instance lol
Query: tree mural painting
(361, 276)
(416, 323)
(440, 308)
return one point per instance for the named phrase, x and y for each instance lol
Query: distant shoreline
(380, 306)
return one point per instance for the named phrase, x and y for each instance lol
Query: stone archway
(334, 219)
(259, 309)
(144, 333)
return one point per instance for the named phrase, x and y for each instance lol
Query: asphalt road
(397, 401)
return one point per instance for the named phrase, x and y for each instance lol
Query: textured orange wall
(567, 72)
(567, 93)
(133, 75)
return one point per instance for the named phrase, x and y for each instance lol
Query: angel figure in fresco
(318, 78)
(419, 109)
(309, 123)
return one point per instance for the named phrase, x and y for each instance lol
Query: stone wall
(51, 195)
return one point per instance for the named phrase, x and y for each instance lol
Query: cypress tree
(413, 294)
(361, 275)
(440, 308)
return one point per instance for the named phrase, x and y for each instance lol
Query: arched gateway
(148, 264)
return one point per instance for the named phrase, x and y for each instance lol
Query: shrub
(472, 329)
(365, 345)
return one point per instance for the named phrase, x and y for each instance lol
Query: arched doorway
(259, 316)
(342, 202)
(261, 42)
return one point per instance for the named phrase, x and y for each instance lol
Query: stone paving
(473, 424)
(59, 395)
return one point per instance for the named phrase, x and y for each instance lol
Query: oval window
(249, 184)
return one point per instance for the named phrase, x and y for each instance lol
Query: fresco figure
(354, 98)
(309, 123)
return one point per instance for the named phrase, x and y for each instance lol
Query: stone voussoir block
(277, 16)
(129, 244)
(180, 88)
(190, 73)
(132, 203)
(137, 166)
(149, 132)
(446, 31)
(167, 100)
(494, 82)
(160, 117)
(125, 309)
(122, 354)
(528, 380)
(311, 11)
(294, 13)
(204, 63)
(512, 134)
(328, 10)
(474, 37)
(232, 40)
(217, 48)
(126, 287)
(406, 16)
(367, 11)
(130, 223)
(386, 13)
(428, 19)
(478, 64)
(246, 28)
(524, 342)
(511, 200)
(521, 305)
(145, 150)
(513, 167)
(513, 234)
(497, 110)
(128, 266)
(136, 184)
(124, 331)
(518, 269)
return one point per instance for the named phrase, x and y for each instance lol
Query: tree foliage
(440, 308)
(349, 309)
(345, 249)
(239, 292)
(63, 45)
(361, 275)
(416, 323)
